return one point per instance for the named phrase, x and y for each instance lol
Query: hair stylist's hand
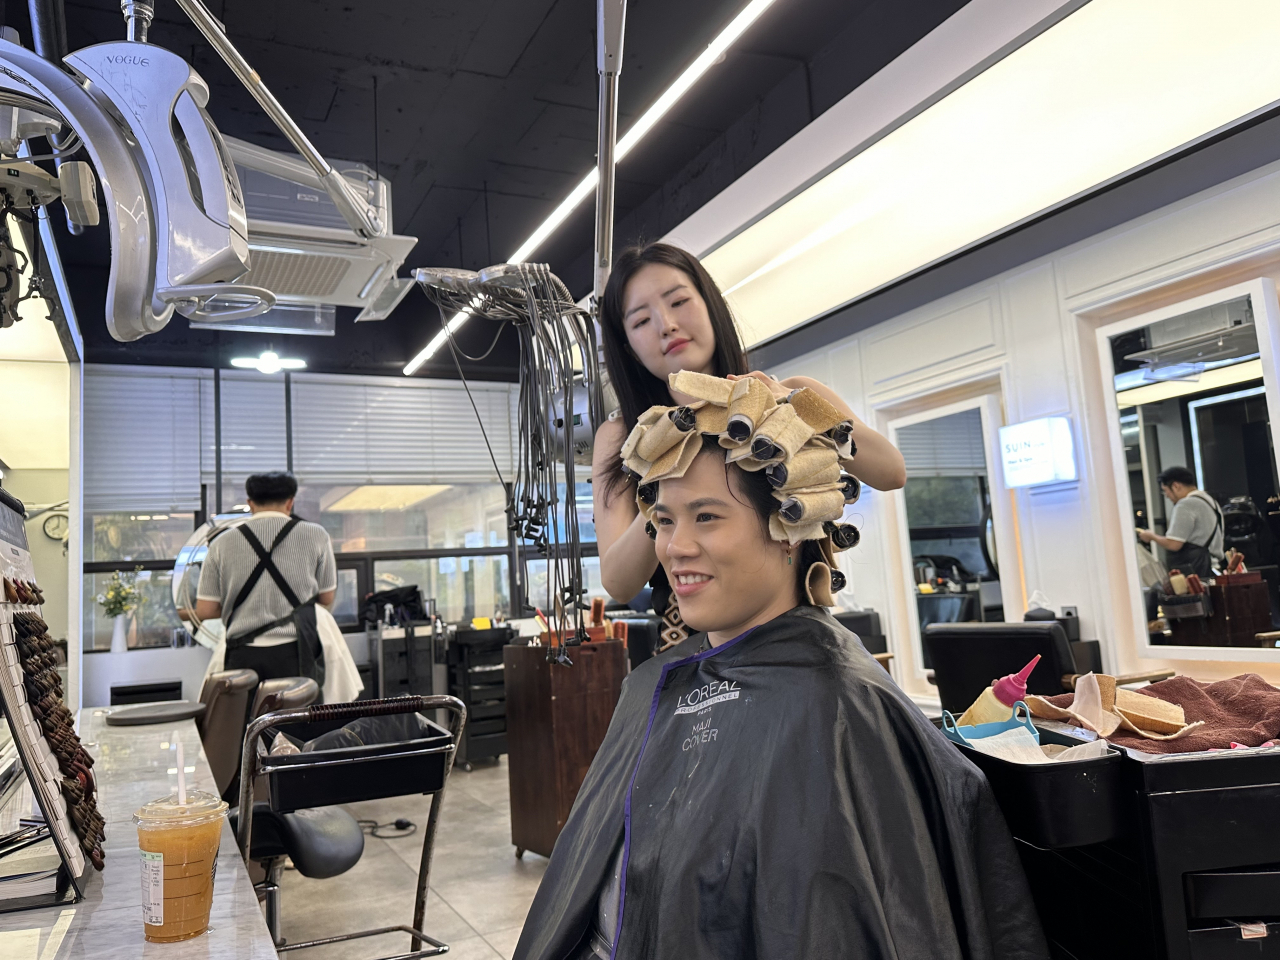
(775, 387)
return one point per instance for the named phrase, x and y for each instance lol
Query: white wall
(1028, 337)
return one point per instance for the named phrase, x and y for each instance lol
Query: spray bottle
(995, 704)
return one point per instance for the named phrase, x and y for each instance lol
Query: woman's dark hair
(636, 387)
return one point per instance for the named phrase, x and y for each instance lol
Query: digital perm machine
(180, 236)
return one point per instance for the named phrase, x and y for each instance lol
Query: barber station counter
(132, 768)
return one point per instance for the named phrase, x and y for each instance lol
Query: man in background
(1194, 539)
(263, 578)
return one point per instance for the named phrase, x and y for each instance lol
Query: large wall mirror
(1193, 398)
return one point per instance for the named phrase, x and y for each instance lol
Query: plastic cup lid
(199, 808)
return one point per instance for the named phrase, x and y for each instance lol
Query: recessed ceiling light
(713, 54)
(268, 362)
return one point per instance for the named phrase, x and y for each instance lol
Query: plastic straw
(182, 774)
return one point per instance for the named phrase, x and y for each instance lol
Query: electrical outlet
(1070, 612)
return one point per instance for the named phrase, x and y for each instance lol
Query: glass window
(537, 581)
(431, 516)
(943, 501)
(586, 513)
(346, 602)
(135, 536)
(154, 624)
(463, 587)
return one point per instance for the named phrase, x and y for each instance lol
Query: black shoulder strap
(265, 563)
(1217, 511)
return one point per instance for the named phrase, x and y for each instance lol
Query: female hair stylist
(662, 313)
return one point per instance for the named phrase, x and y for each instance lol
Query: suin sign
(1038, 451)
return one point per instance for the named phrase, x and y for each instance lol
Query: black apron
(303, 615)
(780, 797)
(1195, 557)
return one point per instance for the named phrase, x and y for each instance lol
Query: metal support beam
(611, 16)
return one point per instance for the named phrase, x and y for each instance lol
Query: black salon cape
(789, 800)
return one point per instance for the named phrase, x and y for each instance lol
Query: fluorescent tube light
(268, 362)
(1209, 380)
(669, 98)
(1104, 92)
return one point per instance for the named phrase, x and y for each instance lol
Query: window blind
(349, 429)
(149, 433)
(141, 439)
(949, 446)
(253, 429)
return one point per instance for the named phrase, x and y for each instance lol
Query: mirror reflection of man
(1194, 539)
(264, 578)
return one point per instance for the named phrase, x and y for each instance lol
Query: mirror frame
(1266, 318)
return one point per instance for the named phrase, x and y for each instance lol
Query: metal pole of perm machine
(357, 214)
(611, 17)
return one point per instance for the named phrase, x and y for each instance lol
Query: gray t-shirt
(305, 560)
(1193, 521)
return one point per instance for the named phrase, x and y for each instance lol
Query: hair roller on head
(851, 487)
(650, 530)
(798, 443)
(684, 418)
(843, 535)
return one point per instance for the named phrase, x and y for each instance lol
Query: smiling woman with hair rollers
(765, 789)
(662, 314)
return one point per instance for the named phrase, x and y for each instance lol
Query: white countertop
(132, 768)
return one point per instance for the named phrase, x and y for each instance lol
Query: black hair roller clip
(843, 535)
(851, 487)
(762, 448)
(647, 493)
(792, 510)
(838, 581)
(739, 428)
(684, 418)
(650, 530)
(842, 433)
(776, 473)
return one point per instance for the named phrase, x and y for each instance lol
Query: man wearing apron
(1194, 539)
(264, 578)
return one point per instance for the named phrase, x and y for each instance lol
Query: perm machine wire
(562, 380)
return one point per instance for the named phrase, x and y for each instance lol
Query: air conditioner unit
(301, 247)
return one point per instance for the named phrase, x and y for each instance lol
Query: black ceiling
(485, 119)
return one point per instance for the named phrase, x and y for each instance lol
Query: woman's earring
(788, 558)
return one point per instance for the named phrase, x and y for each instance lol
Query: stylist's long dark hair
(636, 387)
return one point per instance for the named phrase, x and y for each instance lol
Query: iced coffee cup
(178, 845)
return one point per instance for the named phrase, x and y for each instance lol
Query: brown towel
(1244, 710)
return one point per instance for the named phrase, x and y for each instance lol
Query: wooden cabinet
(556, 720)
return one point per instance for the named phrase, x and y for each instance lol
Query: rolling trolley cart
(476, 678)
(373, 771)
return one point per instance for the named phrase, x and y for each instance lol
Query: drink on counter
(178, 846)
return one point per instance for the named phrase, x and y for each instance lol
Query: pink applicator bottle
(995, 704)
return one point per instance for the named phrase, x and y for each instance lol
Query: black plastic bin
(1057, 805)
(322, 778)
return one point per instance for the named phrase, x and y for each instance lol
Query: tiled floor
(480, 892)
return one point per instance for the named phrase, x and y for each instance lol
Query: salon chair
(967, 657)
(225, 696)
(643, 636)
(282, 693)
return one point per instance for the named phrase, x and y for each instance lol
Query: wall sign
(1038, 451)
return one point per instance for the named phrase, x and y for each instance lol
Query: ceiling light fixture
(268, 362)
(670, 97)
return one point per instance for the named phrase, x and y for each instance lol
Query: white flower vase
(120, 634)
